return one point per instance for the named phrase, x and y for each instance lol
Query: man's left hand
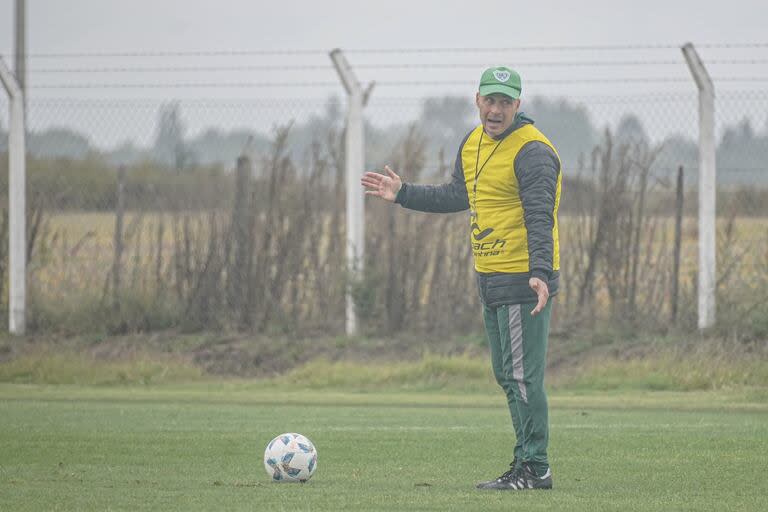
(542, 291)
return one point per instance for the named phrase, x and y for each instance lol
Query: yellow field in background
(75, 251)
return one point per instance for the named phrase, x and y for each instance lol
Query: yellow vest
(498, 235)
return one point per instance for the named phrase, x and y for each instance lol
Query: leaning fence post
(355, 161)
(17, 205)
(707, 183)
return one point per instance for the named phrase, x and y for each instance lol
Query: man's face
(497, 111)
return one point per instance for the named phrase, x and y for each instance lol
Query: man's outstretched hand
(385, 186)
(542, 292)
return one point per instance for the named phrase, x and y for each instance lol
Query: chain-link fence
(141, 216)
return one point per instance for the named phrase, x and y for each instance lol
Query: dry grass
(49, 365)
(71, 268)
(271, 259)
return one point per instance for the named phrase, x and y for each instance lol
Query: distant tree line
(742, 150)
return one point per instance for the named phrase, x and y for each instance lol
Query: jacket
(511, 185)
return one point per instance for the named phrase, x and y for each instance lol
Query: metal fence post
(355, 161)
(17, 251)
(707, 187)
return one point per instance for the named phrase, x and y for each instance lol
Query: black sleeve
(537, 169)
(446, 198)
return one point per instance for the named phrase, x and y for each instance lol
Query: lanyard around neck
(479, 169)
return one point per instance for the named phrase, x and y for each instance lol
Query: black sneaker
(518, 479)
(504, 476)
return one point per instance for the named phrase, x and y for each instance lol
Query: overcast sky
(147, 26)
(83, 26)
(88, 25)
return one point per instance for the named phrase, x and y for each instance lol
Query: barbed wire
(183, 85)
(606, 47)
(214, 85)
(192, 53)
(184, 69)
(380, 101)
(316, 67)
(295, 52)
(585, 81)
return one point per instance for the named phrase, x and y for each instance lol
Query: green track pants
(518, 343)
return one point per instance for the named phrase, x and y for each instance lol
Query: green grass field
(199, 447)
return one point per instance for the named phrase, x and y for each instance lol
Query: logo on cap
(501, 76)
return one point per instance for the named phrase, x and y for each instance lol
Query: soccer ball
(290, 458)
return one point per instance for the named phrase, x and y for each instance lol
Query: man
(508, 175)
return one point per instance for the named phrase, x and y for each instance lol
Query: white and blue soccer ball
(290, 457)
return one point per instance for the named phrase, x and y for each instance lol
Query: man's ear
(477, 100)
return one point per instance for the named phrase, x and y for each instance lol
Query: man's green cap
(501, 80)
